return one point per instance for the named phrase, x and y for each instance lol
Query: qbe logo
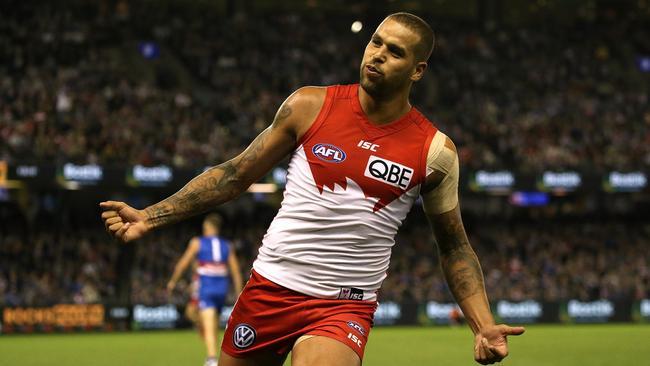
(243, 336)
(328, 153)
(389, 172)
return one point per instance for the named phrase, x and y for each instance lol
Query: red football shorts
(270, 317)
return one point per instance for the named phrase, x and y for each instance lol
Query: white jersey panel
(321, 244)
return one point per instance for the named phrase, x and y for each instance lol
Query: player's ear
(419, 70)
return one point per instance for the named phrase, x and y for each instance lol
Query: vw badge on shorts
(243, 336)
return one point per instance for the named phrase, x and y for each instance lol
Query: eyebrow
(391, 46)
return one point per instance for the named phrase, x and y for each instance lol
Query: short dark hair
(215, 220)
(424, 48)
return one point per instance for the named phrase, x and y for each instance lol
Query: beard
(381, 87)
(376, 88)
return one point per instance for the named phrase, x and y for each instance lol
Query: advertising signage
(441, 313)
(225, 314)
(625, 182)
(644, 310)
(27, 171)
(388, 313)
(155, 317)
(530, 311)
(89, 174)
(155, 176)
(487, 181)
(505, 181)
(98, 317)
(559, 181)
(590, 312)
(66, 316)
(39, 174)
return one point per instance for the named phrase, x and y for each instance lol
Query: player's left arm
(235, 271)
(184, 262)
(459, 262)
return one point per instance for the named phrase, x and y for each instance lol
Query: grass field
(585, 345)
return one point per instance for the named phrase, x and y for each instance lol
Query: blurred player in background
(216, 262)
(192, 307)
(361, 155)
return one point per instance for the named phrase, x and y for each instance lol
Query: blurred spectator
(74, 87)
(546, 261)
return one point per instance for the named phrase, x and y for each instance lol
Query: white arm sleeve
(443, 159)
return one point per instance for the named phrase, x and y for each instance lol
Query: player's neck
(384, 110)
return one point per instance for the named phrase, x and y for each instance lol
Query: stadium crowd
(543, 261)
(72, 88)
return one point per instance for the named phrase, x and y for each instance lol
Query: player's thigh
(254, 359)
(323, 351)
(208, 316)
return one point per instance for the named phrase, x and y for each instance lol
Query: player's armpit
(226, 181)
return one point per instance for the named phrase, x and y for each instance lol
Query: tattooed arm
(459, 263)
(226, 181)
(461, 268)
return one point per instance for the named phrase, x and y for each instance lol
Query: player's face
(389, 62)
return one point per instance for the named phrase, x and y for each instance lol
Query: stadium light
(356, 26)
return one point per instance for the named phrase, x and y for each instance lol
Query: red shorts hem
(268, 317)
(360, 352)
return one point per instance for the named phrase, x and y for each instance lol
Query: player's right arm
(190, 254)
(226, 181)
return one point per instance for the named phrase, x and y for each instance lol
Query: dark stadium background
(547, 101)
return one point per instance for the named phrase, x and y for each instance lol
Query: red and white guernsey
(349, 187)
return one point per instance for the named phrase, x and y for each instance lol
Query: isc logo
(328, 153)
(355, 339)
(397, 175)
(368, 145)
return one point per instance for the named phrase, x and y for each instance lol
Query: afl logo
(356, 326)
(328, 153)
(243, 336)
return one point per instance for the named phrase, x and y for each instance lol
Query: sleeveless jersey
(212, 257)
(349, 186)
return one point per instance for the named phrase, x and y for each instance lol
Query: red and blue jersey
(213, 257)
(213, 271)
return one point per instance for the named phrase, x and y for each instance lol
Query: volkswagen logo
(243, 336)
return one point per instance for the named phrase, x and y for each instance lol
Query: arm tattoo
(213, 187)
(216, 185)
(459, 262)
(283, 113)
